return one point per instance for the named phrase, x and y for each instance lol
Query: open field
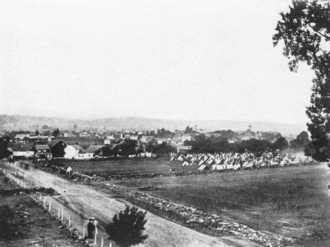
(292, 201)
(126, 166)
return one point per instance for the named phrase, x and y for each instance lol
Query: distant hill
(18, 122)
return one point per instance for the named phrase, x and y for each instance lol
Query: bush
(6, 180)
(127, 227)
(8, 229)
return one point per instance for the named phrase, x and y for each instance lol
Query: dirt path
(86, 202)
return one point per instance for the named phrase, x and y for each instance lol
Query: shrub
(127, 227)
(8, 229)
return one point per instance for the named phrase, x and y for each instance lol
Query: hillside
(18, 122)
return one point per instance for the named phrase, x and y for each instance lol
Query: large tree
(305, 30)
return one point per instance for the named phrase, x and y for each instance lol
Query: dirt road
(86, 201)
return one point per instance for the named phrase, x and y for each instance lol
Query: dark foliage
(48, 191)
(163, 133)
(227, 134)
(188, 130)
(7, 225)
(107, 151)
(163, 148)
(202, 144)
(56, 132)
(3, 148)
(127, 227)
(280, 144)
(305, 30)
(127, 147)
(300, 142)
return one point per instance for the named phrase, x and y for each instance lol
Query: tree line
(214, 144)
(134, 147)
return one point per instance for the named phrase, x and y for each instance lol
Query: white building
(21, 152)
(85, 154)
(71, 151)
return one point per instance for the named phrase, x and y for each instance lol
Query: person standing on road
(91, 228)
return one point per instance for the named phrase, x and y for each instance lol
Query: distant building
(84, 134)
(84, 154)
(95, 149)
(146, 139)
(42, 151)
(186, 137)
(110, 137)
(184, 149)
(134, 137)
(233, 140)
(67, 133)
(22, 136)
(161, 140)
(57, 148)
(20, 150)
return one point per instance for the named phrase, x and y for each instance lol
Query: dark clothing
(90, 230)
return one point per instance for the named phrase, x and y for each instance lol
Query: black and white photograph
(168, 123)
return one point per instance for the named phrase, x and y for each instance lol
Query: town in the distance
(49, 142)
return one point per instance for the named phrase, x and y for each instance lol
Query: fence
(69, 219)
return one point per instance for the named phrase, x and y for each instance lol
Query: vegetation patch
(8, 227)
(17, 191)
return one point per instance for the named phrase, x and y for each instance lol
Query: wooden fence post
(83, 231)
(95, 235)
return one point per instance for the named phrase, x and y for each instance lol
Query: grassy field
(126, 166)
(292, 201)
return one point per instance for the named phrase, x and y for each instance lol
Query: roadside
(24, 223)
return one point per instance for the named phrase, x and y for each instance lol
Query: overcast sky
(159, 59)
